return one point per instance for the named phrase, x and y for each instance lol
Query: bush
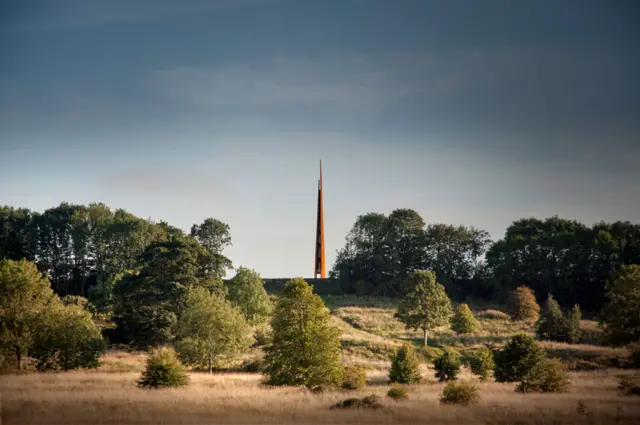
(397, 392)
(163, 370)
(405, 368)
(353, 377)
(522, 305)
(447, 366)
(551, 325)
(368, 402)
(464, 393)
(481, 363)
(517, 358)
(548, 376)
(463, 322)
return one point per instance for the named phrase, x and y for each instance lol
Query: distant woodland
(85, 250)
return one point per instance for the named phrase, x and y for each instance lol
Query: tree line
(555, 256)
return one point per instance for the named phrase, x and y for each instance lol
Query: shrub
(574, 333)
(629, 385)
(548, 376)
(353, 377)
(163, 370)
(517, 358)
(464, 393)
(481, 363)
(551, 324)
(368, 402)
(447, 365)
(463, 322)
(397, 392)
(405, 367)
(522, 305)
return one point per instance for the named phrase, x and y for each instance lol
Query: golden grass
(113, 398)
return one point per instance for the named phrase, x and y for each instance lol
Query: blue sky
(469, 112)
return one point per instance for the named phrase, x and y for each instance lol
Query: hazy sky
(470, 112)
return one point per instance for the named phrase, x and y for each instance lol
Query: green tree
(67, 338)
(517, 359)
(213, 235)
(481, 363)
(211, 331)
(405, 367)
(547, 376)
(551, 324)
(163, 369)
(620, 316)
(246, 292)
(574, 333)
(305, 348)
(24, 295)
(425, 304)
(447, 365)
(463, 321)
(522, 305)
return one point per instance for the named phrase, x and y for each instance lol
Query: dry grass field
(109, 395)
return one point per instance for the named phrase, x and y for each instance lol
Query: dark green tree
(517, 359)
(213, 235)
(425, 304)
(573, 325)
(305, 348)
(405, 367)
(447, 365)
(552, 324)
(620, 316)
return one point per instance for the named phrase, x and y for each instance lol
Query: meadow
(370, 333)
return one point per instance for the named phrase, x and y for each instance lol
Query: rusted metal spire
(320, 266)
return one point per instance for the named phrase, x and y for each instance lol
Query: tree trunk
(210, 367)
(425, 336)
(19, 358)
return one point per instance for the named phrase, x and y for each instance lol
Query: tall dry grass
(113, 398)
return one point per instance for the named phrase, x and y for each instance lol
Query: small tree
(619, 317)
(447, 365)
(547, 376)
(24, 295)
(163, 370)
(517, 359)
(463, 321)
(551, 325)
(522, 305)
(247, 293)
(574, 333)
(481, 363)
(67, 338)
(464, 393)
(305, 348)
(425, 304)
(405, 367)
(354, 377)
(211, 331)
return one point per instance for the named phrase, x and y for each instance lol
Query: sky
(473, 113)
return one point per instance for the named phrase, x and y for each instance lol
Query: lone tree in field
(620, 316)
(522, 305)
(211, 331)
(425, 304)
(305, 348)
(246, 292)
(24, 295)
(405, 367)
(462, 321)
(517, 359)
(163, 370)
(551, 325)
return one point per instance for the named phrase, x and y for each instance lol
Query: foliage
(425, 304)
(447, 365)
(24, 295)
(620, 316)
(629, 385)
(522, 305)
(551, 324)
(262, 334)
(481, 363)
(67, 338)
(354, 377)
(305, 348)
(246, 292)
(463, 322)
(397, 392)
(464, 393)
(547, 376)
(213, 235)
(211, 331)
(163, 369)
(368, 402)
(517, 358)
(405, 367)
(574, 333)
(634, 355)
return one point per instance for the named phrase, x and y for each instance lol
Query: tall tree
(24, 295)
(212, 234)
(425, 304)
(620, 316)
(305, 348)
(246, 292)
